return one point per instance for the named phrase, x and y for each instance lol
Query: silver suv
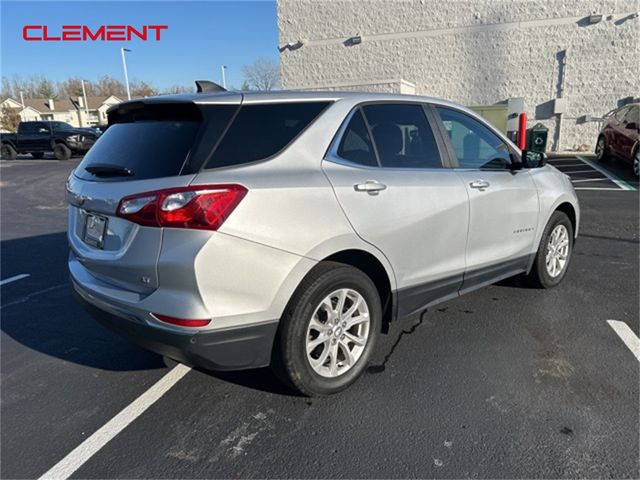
(233, 231)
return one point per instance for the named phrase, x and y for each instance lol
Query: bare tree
(6, 90)
(262, 74)
(31, 87)
(45, 88)
(9, 118)
(140, 88)
(108, 85)
(38, 86)
(72, 87)
(178, 89)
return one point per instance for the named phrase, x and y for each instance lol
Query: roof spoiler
(207, 86)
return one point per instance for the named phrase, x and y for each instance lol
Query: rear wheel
(554, 253)
(602, 155)
(37, 155)
(636, 162)
(8, 152)
(61, 151)
(328, 331)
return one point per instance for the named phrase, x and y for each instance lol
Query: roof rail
(208, 86)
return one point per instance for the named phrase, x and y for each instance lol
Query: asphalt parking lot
(504, 382)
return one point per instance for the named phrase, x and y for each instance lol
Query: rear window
(260, 131)
(153, 141)
(148, 149)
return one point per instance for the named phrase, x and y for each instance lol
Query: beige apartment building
(64, 110)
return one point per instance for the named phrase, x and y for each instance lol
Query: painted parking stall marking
(587, 175)
(627, 336)
(15, 278)
(87, 449)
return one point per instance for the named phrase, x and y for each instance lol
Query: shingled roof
(64, 104)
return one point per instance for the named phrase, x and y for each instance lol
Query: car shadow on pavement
(261, 379)
(40, 313)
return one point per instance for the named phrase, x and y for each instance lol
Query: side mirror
(533, 159)
(631, 126)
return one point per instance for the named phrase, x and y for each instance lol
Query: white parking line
(621, 183)
(14, 278)
(600, 188)
(562, 165)
(627, 336)
(87, 449)
(582, 171)
(583, 180)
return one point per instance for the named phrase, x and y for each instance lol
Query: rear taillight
(203, 207)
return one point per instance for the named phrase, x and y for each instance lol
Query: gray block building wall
(475, 52)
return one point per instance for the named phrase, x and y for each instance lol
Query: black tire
(61, 151)
(37, 155)
(290, 362)
(8, 152)
(539, 276)
(602, 151)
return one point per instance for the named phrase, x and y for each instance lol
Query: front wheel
(636, 162)
(62, 152)
(554, 253)
(329, 330)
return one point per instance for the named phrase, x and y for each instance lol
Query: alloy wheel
(600, 148)
(337, 333)
(557, 251)
(636, 163)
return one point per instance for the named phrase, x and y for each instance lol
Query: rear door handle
(480, 184)
(370, 186)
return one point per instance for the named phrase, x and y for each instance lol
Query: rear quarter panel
(290, 206)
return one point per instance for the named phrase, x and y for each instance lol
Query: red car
(620, 136)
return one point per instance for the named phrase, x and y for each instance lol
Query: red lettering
(87, 34)
(25, 31)
(76, 33)
(115, 33)
(158, 29)
(132, 31)
(71, 33)
(46, 36)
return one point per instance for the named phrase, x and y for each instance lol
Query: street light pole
(224, 80)
(126, 75)
(84, 96)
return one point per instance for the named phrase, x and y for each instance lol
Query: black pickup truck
(39, 137)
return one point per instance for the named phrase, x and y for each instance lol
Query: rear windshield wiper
(108, 170)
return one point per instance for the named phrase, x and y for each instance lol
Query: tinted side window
(632, 115)
(260, 131)
(355, 145)
(402, 136)
(619, 115)
(27, 127)
(475, 145)
(41, 126)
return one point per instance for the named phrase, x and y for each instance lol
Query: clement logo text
(83, 33)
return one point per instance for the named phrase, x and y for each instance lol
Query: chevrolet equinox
(235, 230)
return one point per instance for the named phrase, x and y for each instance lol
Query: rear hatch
(150, 145)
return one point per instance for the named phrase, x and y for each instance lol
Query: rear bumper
(228, 349)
